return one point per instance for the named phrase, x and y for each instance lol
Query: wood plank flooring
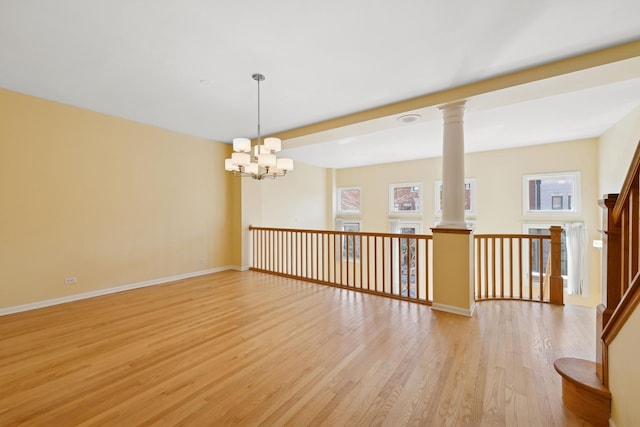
(254, 349)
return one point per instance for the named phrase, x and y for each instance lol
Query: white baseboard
(99, 292)
(455, 310)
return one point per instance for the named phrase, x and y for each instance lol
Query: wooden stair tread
(582, 373)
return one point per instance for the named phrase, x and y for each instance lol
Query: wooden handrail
(399, 265)
(514, 236)
(623, 238)
(504, 267)
(387, 264)
(621, 270)
(306, 230)
(623, 311)
(632, 174)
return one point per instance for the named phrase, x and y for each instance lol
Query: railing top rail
(418, 236)
(363, 233)
(513, 236)
(634, 170)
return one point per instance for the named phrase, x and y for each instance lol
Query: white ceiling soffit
(186, 66)
(573, 106)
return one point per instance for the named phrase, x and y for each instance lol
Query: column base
(454, 310)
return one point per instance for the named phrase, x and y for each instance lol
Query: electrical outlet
(200, 260)
(70, 280)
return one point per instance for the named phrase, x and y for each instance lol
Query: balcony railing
(519, 266)
(508, 266)
(393, 265)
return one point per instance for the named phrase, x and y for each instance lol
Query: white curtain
(576, 239)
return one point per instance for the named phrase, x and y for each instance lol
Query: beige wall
(453, 279)
(109, 201)
(499, 206)
(299, 200)
(624, 374)
(251, 214)
(374, 190)
(616, 149)
(234, 217)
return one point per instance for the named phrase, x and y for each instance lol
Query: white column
(453, 166)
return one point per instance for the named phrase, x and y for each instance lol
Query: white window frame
(352, 221)
(341, 221)
(575, 197)
(339, 209)
(393, 211)
(437, 188)
(396, 224)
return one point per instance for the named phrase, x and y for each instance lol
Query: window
(351, 243)
(551, 193)
(349, 200)
(543, 230)
(469, 196)
(408, 251)
(405, 198)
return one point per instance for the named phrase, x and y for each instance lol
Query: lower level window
(543, 230)
(350, 243)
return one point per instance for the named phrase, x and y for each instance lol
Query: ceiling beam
(540, 72)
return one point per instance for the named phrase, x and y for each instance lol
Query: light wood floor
(253, 349)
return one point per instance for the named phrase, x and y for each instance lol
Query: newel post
(611, 280)
(556, 283)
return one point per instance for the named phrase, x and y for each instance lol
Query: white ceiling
(186, 66)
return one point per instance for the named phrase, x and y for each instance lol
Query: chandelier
(261, 161)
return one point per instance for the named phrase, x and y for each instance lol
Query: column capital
(454, 104)
(453, 111)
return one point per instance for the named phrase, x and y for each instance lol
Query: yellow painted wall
(234, 217)
(106, 200)
(616, 149)
(624, 374)
(499, 205)
(453, 286)
(374, 190)
(331, 199)
(298, 200)
(504, 169)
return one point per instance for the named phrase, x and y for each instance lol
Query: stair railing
(621, 256)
